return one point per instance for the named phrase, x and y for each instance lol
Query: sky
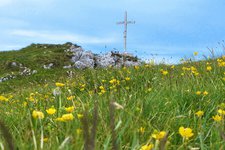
(164, 30)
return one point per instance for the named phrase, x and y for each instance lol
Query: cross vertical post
(125, 22)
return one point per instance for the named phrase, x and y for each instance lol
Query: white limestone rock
(105, 60)
(48, 66)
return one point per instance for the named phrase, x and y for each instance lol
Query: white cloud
(47, 36)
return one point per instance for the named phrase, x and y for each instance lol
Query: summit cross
(125, 23)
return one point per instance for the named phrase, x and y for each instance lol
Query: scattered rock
(7, 77)
(14, 64)
(48, 66)
(67, 67)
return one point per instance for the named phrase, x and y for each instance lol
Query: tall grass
(120, 108)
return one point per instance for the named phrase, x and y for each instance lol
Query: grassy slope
(151, 100)
(34, 57)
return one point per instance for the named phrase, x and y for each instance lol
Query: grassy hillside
(142, 107)
(34, 57)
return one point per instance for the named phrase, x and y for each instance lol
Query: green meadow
(146, 107)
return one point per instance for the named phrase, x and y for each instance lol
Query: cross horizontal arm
(131, 22)
(122, 22)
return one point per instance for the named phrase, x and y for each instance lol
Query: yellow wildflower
(51, 111)
(147, 147)
(159, 135)
(205, 93)
(136, 67)
(79, 116)
(198, 93)
(164, 72)
(37, 114)
(59, 119)
(217, 118)
(142, 130)
(69, 109)
(101, 87)
(78, 131)
(127, 79)
(82, 89)
(70, 98)
(222, 112)
(195, 53)
(3, 98)
(58, 84)
(196, 73)
(186, 132)
(24, 104)
(199, 113)
(67, 117)
(208, 68)
(172, 67)
(112, 81)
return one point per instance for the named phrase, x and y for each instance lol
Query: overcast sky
(168, 28)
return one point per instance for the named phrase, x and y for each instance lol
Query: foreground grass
(128, 105)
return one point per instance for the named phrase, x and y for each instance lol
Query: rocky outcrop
(82, 59)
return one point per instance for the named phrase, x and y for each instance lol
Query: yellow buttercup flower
(164, 72)
(67, 117)
(205, 93)
(59, 119)
(217, 118)
(198, 93)
(199, 113)
(159, 135)
(208, 68)
(136, 67)
(79, 116)
(186, 132)
(142, 130)
(222, 112)
(58, 84)
(70, 98)
(69, 109)
(172, 67)
(147, 147)
(78, 131)
(127, 78)
(51, 111)
(37, 114)
(3, 98)
(195, 53)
